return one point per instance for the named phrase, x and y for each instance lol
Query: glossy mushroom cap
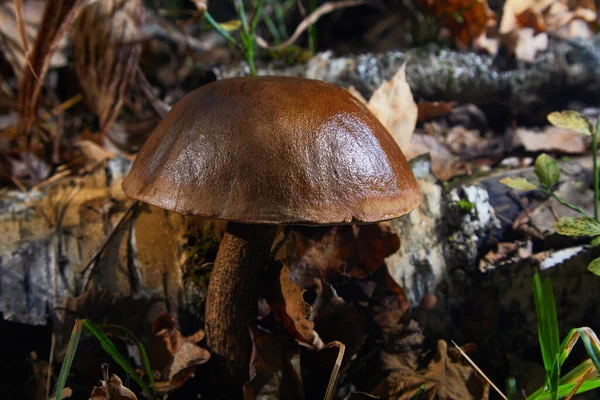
(274, 150)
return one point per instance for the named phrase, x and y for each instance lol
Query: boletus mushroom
(263, 151)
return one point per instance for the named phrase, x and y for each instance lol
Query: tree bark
(232, 301)
(566, 70)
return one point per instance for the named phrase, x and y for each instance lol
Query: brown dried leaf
(434, 109)
(57, 19)
(525, 23)
(93, 152)
(342, 251)
(174, 355)
(444, 378)
(274, 368)
(444, 164)
(393, 104)
(106, 47)
(551, 139)
(389, 309)
(288, 306)
(113, 390)
(337, 321)
(505, 252)
(465, 19)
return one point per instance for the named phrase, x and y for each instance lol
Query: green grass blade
(573, 375)
(546, 319)
(112, 350)
(69, 356)
(553, 379)
(143, 352)
(565, 390)
(592, 345)
(219, 29)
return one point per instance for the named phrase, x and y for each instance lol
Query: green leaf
(594, 267)
(518, 183)
(564, 390)
(547, 324)
(69, 357)
(595, 241)
(547, 171)
(571, 120)
(577, 226)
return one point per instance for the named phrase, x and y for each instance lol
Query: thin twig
(323, 9)
(333, 379)
(94, 256)
(11, 131)
(554, 214)
(479, 370)
(20, 19)
(160, 107)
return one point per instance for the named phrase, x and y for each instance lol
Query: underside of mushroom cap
(274, 150)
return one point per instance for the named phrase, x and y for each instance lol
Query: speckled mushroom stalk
(263, 151)
(231, 305)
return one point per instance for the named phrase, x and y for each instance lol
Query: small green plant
(554, 353)
(548, 173)
(110, 348)
(247, 34)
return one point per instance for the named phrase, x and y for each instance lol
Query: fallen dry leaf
(505, 252)
(93, 152)
(434, 109)
(172, 354)
(443, 378)
(393, 104)
(275, 371)
(284, 296)
(526, 23)
(444, 164)
(469, 144)
(336, 253)
(106, 47)
(551, 139)
(389, 305)
(112, 390)
(337, 321)
(465, 19)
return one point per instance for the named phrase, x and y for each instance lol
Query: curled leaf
(547, 171)
(112, 389)
(571, 120)
(594, 266)
(577, 226)
(518, 183)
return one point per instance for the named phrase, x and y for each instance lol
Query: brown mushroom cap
(274, 150)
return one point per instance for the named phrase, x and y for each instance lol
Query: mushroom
(264, 151)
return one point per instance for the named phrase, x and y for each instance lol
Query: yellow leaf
(571, 120)
(231, 25)
(393, 104)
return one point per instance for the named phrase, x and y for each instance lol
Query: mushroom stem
(232, 301)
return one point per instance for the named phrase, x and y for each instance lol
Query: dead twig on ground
(85, 270)
(323, 9)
